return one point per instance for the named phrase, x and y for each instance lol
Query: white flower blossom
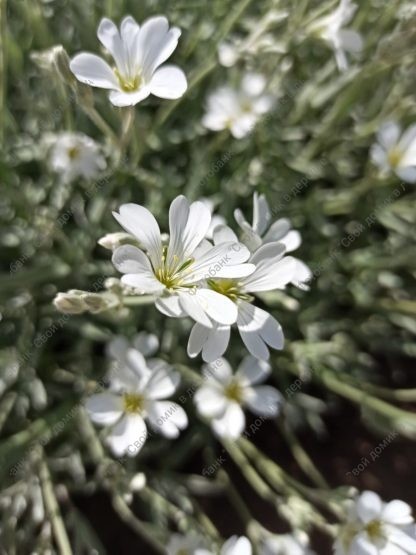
(261, 231)
(377, 528)
(191, 544)
(73, 155)
(223, 395)
(238, 110)
(396, 151)
(331, 28)
(176, 273)
(138, 389)
(257, 328)
(138, 51)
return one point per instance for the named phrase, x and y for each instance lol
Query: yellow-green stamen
(234, 392)
(133, 403)
(129, 84)
(230, 288)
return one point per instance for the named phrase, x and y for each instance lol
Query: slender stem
(302, 457)
(126, 130)
(138, 300)
(52, 508)
(3, 68)
(123, 510)
(252, 476)
(236, 498)
(102, 125)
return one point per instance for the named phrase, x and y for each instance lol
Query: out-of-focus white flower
(236, 546)
(137, 52)
(396, 151)
(223, 395)
(137, 392)
(74, 155)
(176, 273)
(257, 328)
(238, 110)
(227, 54)
(260, 232)
(377, 528)
(331, 28)
(285, 544)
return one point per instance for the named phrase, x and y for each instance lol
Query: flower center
(129, 84)
(171, 274)
(374, 529)
(394, 157)
(73, 152)
(133, 403)
(234, 392)
(231, 288)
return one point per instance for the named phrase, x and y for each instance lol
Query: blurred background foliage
(351, 336)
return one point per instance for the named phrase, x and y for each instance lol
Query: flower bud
(69, 303)
(113, 240)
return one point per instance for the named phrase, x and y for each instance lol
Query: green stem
(139, 300)
(3, 67)
(52, 508)
(302, 457)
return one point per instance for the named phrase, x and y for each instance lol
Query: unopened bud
(113, 240)
(69, 303)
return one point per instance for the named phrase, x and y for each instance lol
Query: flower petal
(368, 506)
(168, 82)
(219, 371)
(122, 99)
(210, 401)
(253, 371)
(236, 546)
(128, 436)
(162, 383)
(261, 214)
(258, 329)
(104, 408)
(170, 306)
(397, 512)
(263, 400)
(232, 423)
(167, 418)
(109, 37)
(270, 275)
(388, 134)
(94, 71)
(138, 221)
(131, 260)
(156, 43)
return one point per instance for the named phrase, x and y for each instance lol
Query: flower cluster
(211, 283)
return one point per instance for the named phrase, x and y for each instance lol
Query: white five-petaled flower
(137, 52)
(377, 528)
(257, 328)
(137, 392)
(223, 394)
(238, 110)
(176, 273)
(396, 151)
(331, 28)
(74, 155)
(260, 232)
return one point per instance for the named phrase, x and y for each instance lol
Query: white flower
(257, 328)
(137, 392)
(227, 54)
(238, 110)
(137, 52)
(396, 151)
(331, 28)
(75, 155)
(236, 546)
(286, 544)
(377, 528)
(261, 232)
(223, 395)
(176, 273)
